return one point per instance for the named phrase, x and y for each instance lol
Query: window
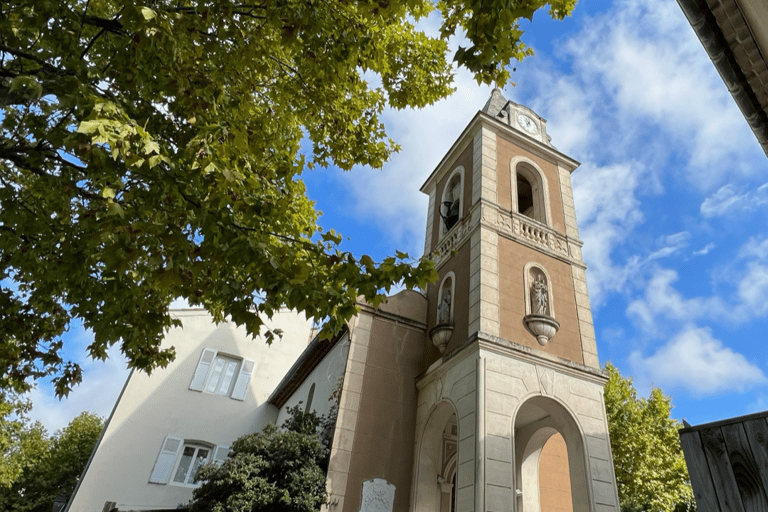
(192, 457)
(222, 374)
(182, 459)
(310, 396)
(451, 207)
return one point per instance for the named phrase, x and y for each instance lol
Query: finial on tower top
(495, 103)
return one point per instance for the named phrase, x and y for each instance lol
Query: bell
(451, 217)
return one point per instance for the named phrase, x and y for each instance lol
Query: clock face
(527, 123)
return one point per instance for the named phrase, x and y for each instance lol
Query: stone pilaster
(349, 406)
(484, 166)
(430, 220)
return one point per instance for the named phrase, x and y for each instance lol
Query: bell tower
(511, 390)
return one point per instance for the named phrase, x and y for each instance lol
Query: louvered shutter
(238, 393)
(201, 372)
(220, 454)
(165, 460)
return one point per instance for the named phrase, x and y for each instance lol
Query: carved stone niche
(441, 333)
(539, 307)
(378, 496)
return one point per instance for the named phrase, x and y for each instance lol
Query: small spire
(495, 103)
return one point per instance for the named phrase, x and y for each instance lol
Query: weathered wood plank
(722, 475)
(757, 435)
(744, 468)
(698, 470)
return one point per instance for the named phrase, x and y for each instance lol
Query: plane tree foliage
(151, 150)
(650, 468)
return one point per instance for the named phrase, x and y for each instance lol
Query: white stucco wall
(325, 377)
(152, 407)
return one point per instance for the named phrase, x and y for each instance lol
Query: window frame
(206, 369)
(197, 445)
(168, 459)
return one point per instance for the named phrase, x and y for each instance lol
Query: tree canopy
(273, 470)
(651, 473)
(22, 441)
(46, 466)
(153, 150)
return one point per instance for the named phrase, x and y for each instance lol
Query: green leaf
(148, 13)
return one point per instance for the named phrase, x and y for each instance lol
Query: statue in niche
(539, 295)
(444, 309)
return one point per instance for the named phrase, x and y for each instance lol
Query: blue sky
(671, 197)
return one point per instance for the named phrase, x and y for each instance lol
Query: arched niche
(536, 421)
(451, 207)
(431, 490)
(446, 298)
(529, 190)
(533, 274)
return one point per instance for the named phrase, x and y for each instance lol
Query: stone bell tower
(510, 413)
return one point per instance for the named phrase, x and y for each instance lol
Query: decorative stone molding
(519, 227)
(542, 326)
(451, 241)
(440, 335)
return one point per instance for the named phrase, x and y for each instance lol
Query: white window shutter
(165, 460)
(220, 454)
(201, 372)
(238, 393)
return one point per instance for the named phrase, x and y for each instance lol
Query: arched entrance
(538, 421)
(436, 470)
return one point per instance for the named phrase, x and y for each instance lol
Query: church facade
(484, 393)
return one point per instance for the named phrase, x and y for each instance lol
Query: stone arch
(428, 477)
(452, 198)
(536, 420)
(533, 202)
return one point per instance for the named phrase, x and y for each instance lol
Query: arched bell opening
(529, 190)
(436, 467)
(451, 208)
(539, 424)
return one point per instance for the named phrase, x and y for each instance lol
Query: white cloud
(662, 301)
(699, 362)
(727, 201)
(102, 383)
(753, 291)
(669, 245)
(608, 210)
(650, 67)
(390, 197)
(704, 250)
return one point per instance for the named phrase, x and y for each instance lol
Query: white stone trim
(569, 206)
(430, 225)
